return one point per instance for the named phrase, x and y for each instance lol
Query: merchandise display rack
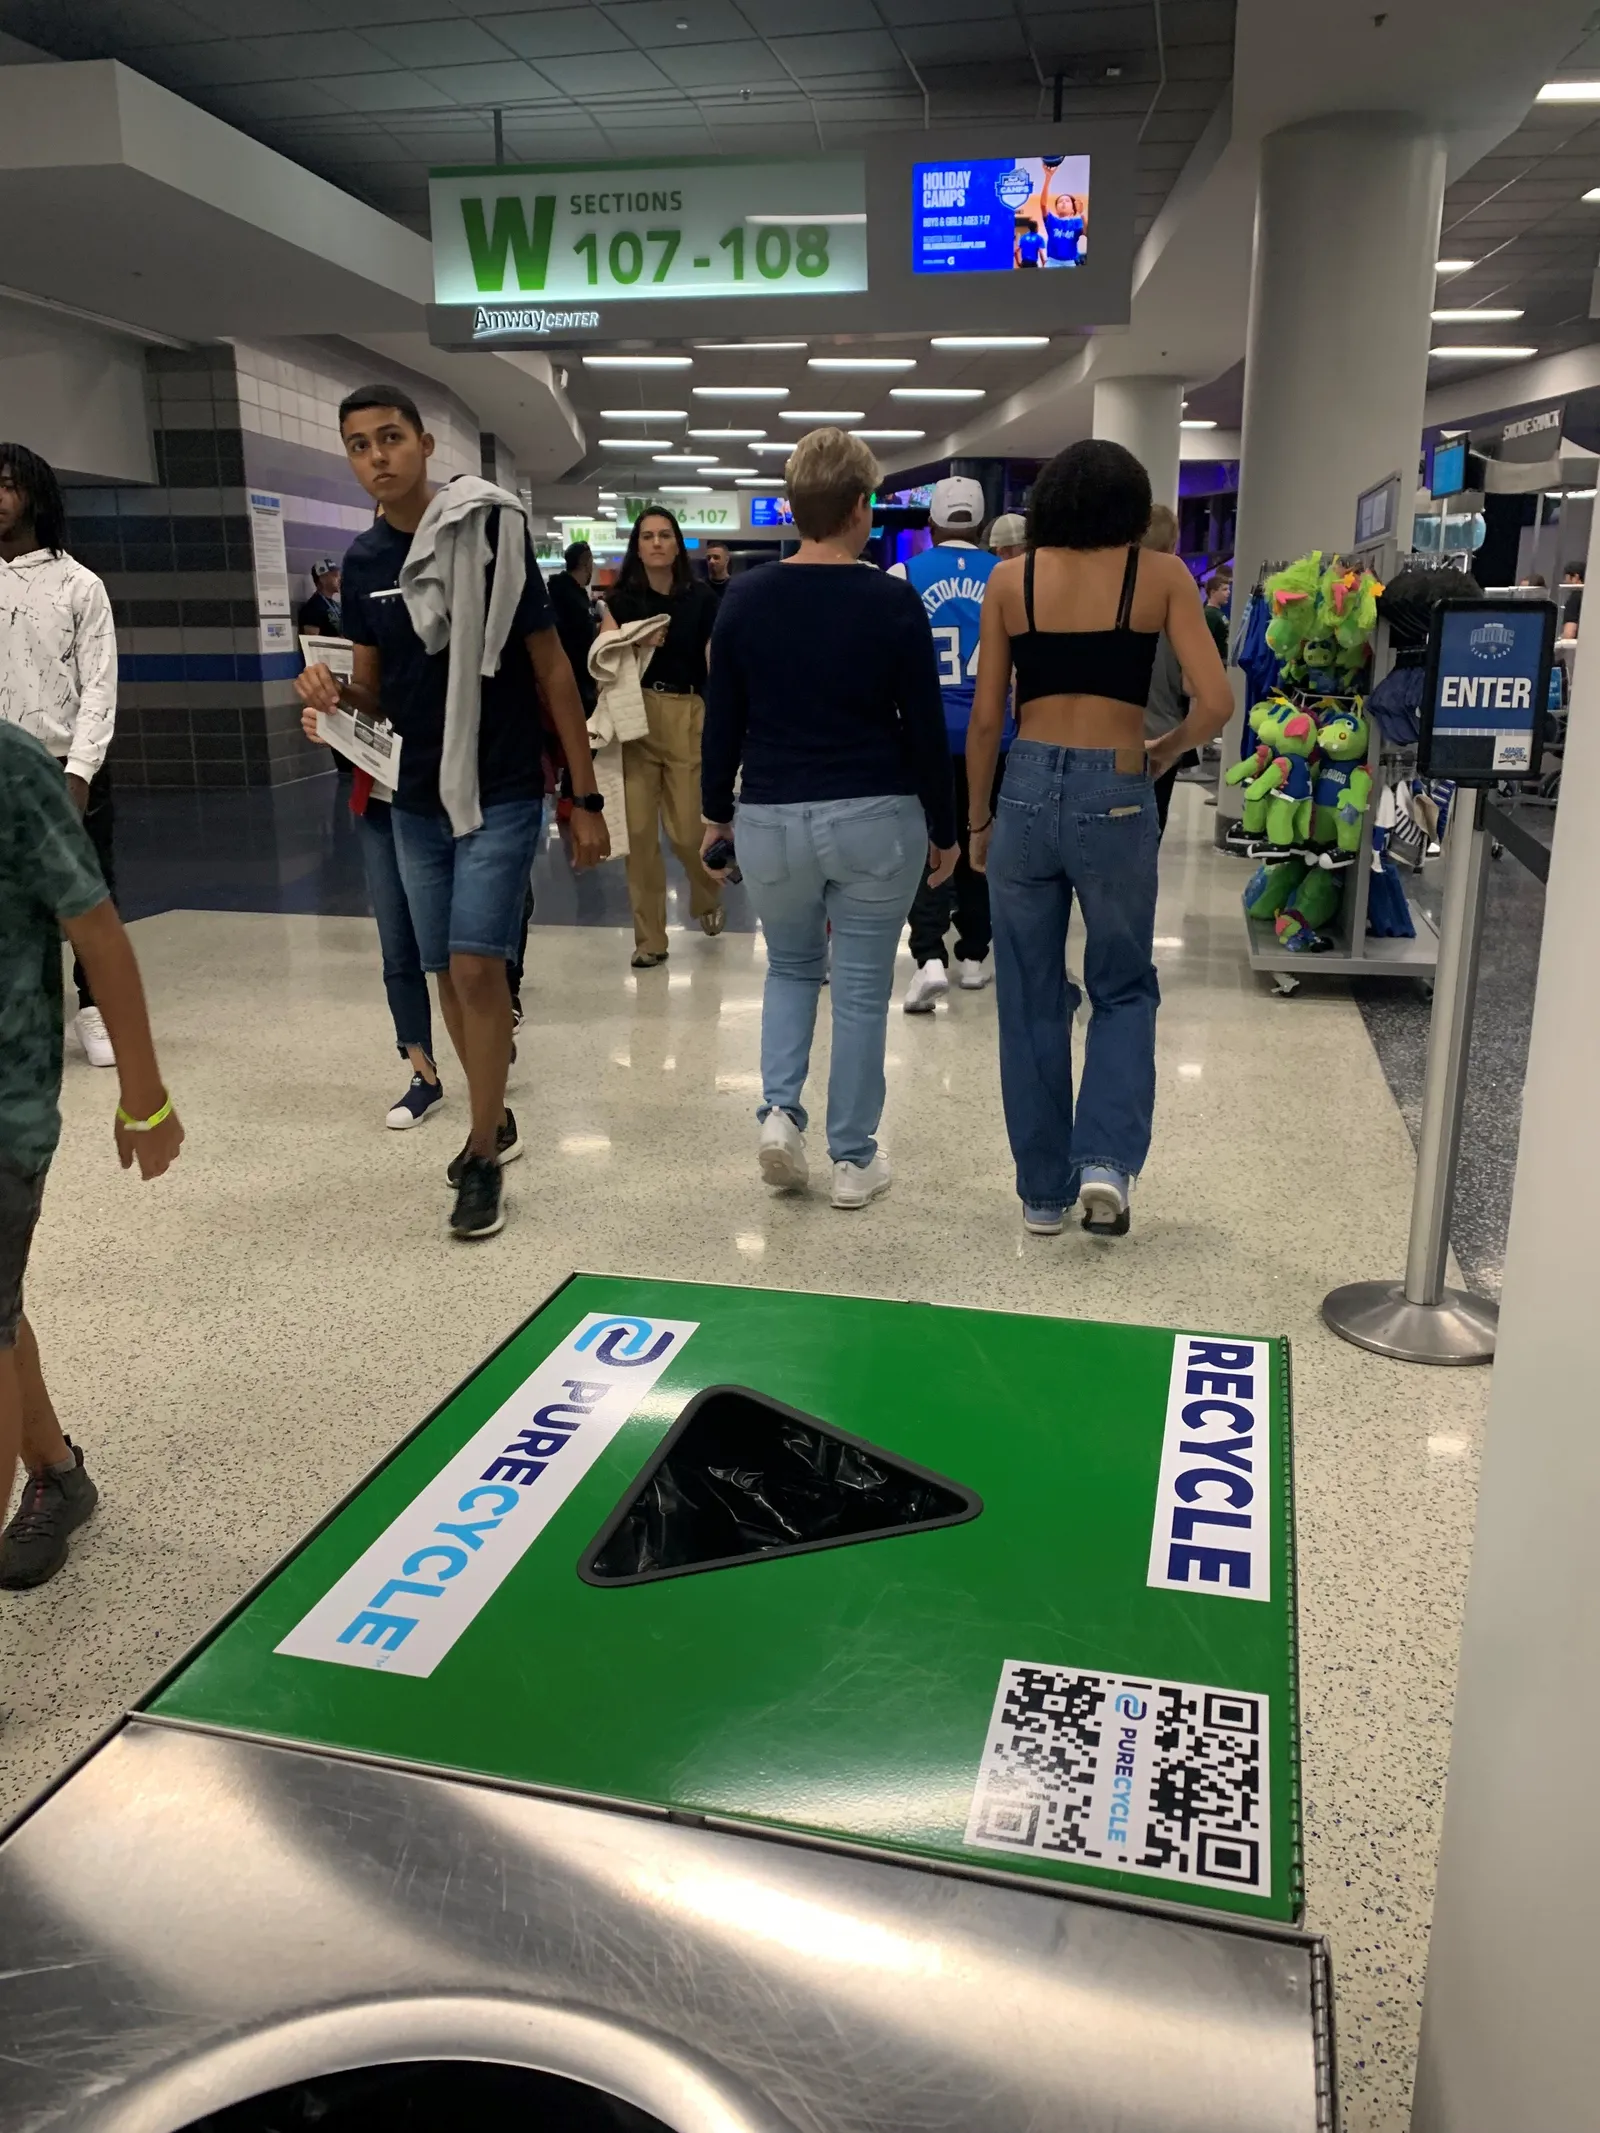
(1355, 953)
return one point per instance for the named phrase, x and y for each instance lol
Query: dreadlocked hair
(36, 478)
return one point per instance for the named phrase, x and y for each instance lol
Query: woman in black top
(825, 691)
(661, 772)
(1076, 819)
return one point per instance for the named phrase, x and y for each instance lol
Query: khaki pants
(661, 782)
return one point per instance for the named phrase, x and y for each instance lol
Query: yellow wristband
(145, 1125)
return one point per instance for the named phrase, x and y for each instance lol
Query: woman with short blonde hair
(824, 700)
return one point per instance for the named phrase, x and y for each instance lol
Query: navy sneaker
(420, 1101)
(480, 1209)
(34, 1545)
(507, 1147)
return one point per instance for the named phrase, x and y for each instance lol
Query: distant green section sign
(577, 233)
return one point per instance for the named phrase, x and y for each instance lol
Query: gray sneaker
(34, 1545)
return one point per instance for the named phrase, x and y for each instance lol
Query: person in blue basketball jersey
(950, 579)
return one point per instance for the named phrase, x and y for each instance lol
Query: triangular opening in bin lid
(741, 1478)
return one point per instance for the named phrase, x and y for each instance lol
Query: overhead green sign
(1015, 1593)
(579, 233)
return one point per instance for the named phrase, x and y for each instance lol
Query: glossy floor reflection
(237, 1343)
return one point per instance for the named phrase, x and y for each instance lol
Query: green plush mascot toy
(1266, 719)
(1342, 790)
(1286, 783)
(1294, 596)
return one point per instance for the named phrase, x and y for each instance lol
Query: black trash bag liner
(741, 1477)
(422, 2095)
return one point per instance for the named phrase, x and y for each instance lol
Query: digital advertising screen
(1006, 214)
(770, 511)
(1448, 476)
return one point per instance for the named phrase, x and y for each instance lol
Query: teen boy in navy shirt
(465, 893)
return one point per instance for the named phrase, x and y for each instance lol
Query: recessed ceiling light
(936, 392)
(631, 362)
(727, 434)
(608, 496)
(761, 481)
(1569, 92)
(605, 511)
(644, 414)
(743, 347)
(861, 363)
(767, 449)
(741, 392)
(1472, 318)
(1498, 355)
(724, 470)
(820, 414)
(1198, 423)
(1453, 266)
(1593, 193)
(635, 444)
(990, 340)
(887, 436)
(675, 459)
(683, 488)
(833, 221)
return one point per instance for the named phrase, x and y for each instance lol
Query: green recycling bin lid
(1008, 1592)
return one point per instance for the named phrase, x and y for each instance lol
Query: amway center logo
(403, 1604)
(1492, 640)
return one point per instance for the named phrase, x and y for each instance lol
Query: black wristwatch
(592, 803)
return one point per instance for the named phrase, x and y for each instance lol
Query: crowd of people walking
(976, 740)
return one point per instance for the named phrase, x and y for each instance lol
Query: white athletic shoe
(930, 984)
(781, 1153)
(972, 977)
(856, 1184)
(90, 1026)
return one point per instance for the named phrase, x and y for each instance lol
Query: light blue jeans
(1069, 823)
(854, 865)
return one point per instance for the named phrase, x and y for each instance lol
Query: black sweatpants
(98, 819)
(965, 896)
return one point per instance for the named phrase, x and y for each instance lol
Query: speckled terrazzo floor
(237, 1343)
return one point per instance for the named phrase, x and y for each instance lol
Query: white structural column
(1143, 415)
(1508, 2020)
(1336, 362)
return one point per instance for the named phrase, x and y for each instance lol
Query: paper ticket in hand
(371, 744)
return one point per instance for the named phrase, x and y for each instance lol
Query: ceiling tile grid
(313, 78)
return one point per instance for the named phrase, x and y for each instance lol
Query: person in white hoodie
(58, 669)
(455, 644)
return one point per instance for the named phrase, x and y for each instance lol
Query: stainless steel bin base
(194, 1918)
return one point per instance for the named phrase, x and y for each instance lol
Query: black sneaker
(480, 1209)
(34, 1545)
(507, 1147)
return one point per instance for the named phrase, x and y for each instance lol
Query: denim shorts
(466, 893)
(21, 1192)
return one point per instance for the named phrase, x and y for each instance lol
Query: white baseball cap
(1009, 531)
(957, 502)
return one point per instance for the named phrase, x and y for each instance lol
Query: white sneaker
(972, 977)
(930, 984)
(855, 1184)
(90, 1027)
(781, 1153)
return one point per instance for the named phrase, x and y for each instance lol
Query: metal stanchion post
(1419, 1320)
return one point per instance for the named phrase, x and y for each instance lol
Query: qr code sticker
(1139, 1776)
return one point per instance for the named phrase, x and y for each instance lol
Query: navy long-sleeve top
(824, 685)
